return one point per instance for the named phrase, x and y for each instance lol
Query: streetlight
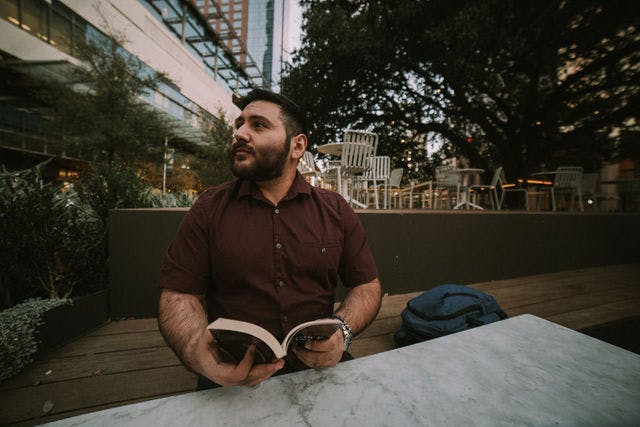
(168, 158)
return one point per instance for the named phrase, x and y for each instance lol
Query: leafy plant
(18, 327)
(48, 239)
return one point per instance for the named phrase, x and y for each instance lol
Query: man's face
(260, 149)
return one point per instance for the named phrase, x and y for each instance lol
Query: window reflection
(34, 18)
(61, 31)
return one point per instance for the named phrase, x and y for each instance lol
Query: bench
(603, 302)
(128, 361)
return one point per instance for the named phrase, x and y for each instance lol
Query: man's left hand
(322, 353)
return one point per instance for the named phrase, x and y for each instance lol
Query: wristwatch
(346, 330)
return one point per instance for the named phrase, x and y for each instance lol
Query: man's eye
(258, 124)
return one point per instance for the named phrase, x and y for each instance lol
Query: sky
(295, 24)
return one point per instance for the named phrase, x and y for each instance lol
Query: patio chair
(308, 168)
(357, 147)
(491, 189)
(568, 179)
(420, 193)
(507, 187)
(593, 194)
(307, 164)
(447, 181)
(394, 193)
(373, 180)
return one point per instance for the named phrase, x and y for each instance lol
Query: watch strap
(346, 330)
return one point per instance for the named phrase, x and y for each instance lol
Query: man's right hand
(227, 374)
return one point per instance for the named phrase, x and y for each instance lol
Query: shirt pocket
(320, 257)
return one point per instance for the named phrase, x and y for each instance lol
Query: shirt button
(277, 211)
(278, 245)
(285, 318)
(323, 250)
(281, 283)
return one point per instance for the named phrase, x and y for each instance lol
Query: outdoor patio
(127, 361)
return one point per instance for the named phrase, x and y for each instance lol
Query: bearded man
(267, 248)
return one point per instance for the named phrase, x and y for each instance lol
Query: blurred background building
(209, 50)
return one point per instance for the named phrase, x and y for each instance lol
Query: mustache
(241, 145)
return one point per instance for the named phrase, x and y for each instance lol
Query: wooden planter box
(66, 322)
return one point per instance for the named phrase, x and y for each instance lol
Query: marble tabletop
(519, 371)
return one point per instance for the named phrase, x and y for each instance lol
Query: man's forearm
(182, 320)
(360, 305)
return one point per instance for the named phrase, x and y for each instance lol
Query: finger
(261, 372)
(318, 359)
(246, 363)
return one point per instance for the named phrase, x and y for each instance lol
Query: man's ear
(298, 145)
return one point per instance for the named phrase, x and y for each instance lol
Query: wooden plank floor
(127, 361)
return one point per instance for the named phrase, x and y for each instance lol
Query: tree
(101, 110)
(500, 82)
(211, 162)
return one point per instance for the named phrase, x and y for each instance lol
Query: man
(268, 249)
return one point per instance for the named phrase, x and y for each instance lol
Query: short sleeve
(357, 265)
(186, 265)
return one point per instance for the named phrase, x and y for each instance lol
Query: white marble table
(520, 371)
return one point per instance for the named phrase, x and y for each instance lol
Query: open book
(233, 337)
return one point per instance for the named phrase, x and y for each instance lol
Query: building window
(34, 18)
(61, 31)
(9, 10)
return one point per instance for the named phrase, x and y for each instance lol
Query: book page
(232, 347)
(247, 328)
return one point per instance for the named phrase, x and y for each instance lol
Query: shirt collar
(299, 186)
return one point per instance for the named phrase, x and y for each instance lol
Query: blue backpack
(444, 310)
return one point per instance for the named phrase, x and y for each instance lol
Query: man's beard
(268, 162)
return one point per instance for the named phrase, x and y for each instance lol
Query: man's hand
(183, 324)
(228, 374)
(322, 353)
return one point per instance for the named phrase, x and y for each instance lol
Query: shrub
(18, 326)
(49, 240)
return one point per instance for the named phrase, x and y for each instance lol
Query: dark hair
(293, 117)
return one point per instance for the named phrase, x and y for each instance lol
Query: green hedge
(18, 326)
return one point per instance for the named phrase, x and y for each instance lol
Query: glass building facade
(257, 27)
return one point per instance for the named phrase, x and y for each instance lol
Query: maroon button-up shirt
(276, 266)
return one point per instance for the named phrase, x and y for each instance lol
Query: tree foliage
(499, 82)
(100, 107)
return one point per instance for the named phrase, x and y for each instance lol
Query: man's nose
(241, 134)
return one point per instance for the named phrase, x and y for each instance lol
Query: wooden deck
(127, 361)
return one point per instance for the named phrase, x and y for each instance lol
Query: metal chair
(447, 180)
(378, 176)
(307, 164)
(491, 189)
(568, 179)
(357, 148)
(507, 187)
(394, 193)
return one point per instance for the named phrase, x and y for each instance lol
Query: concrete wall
(415, 250)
